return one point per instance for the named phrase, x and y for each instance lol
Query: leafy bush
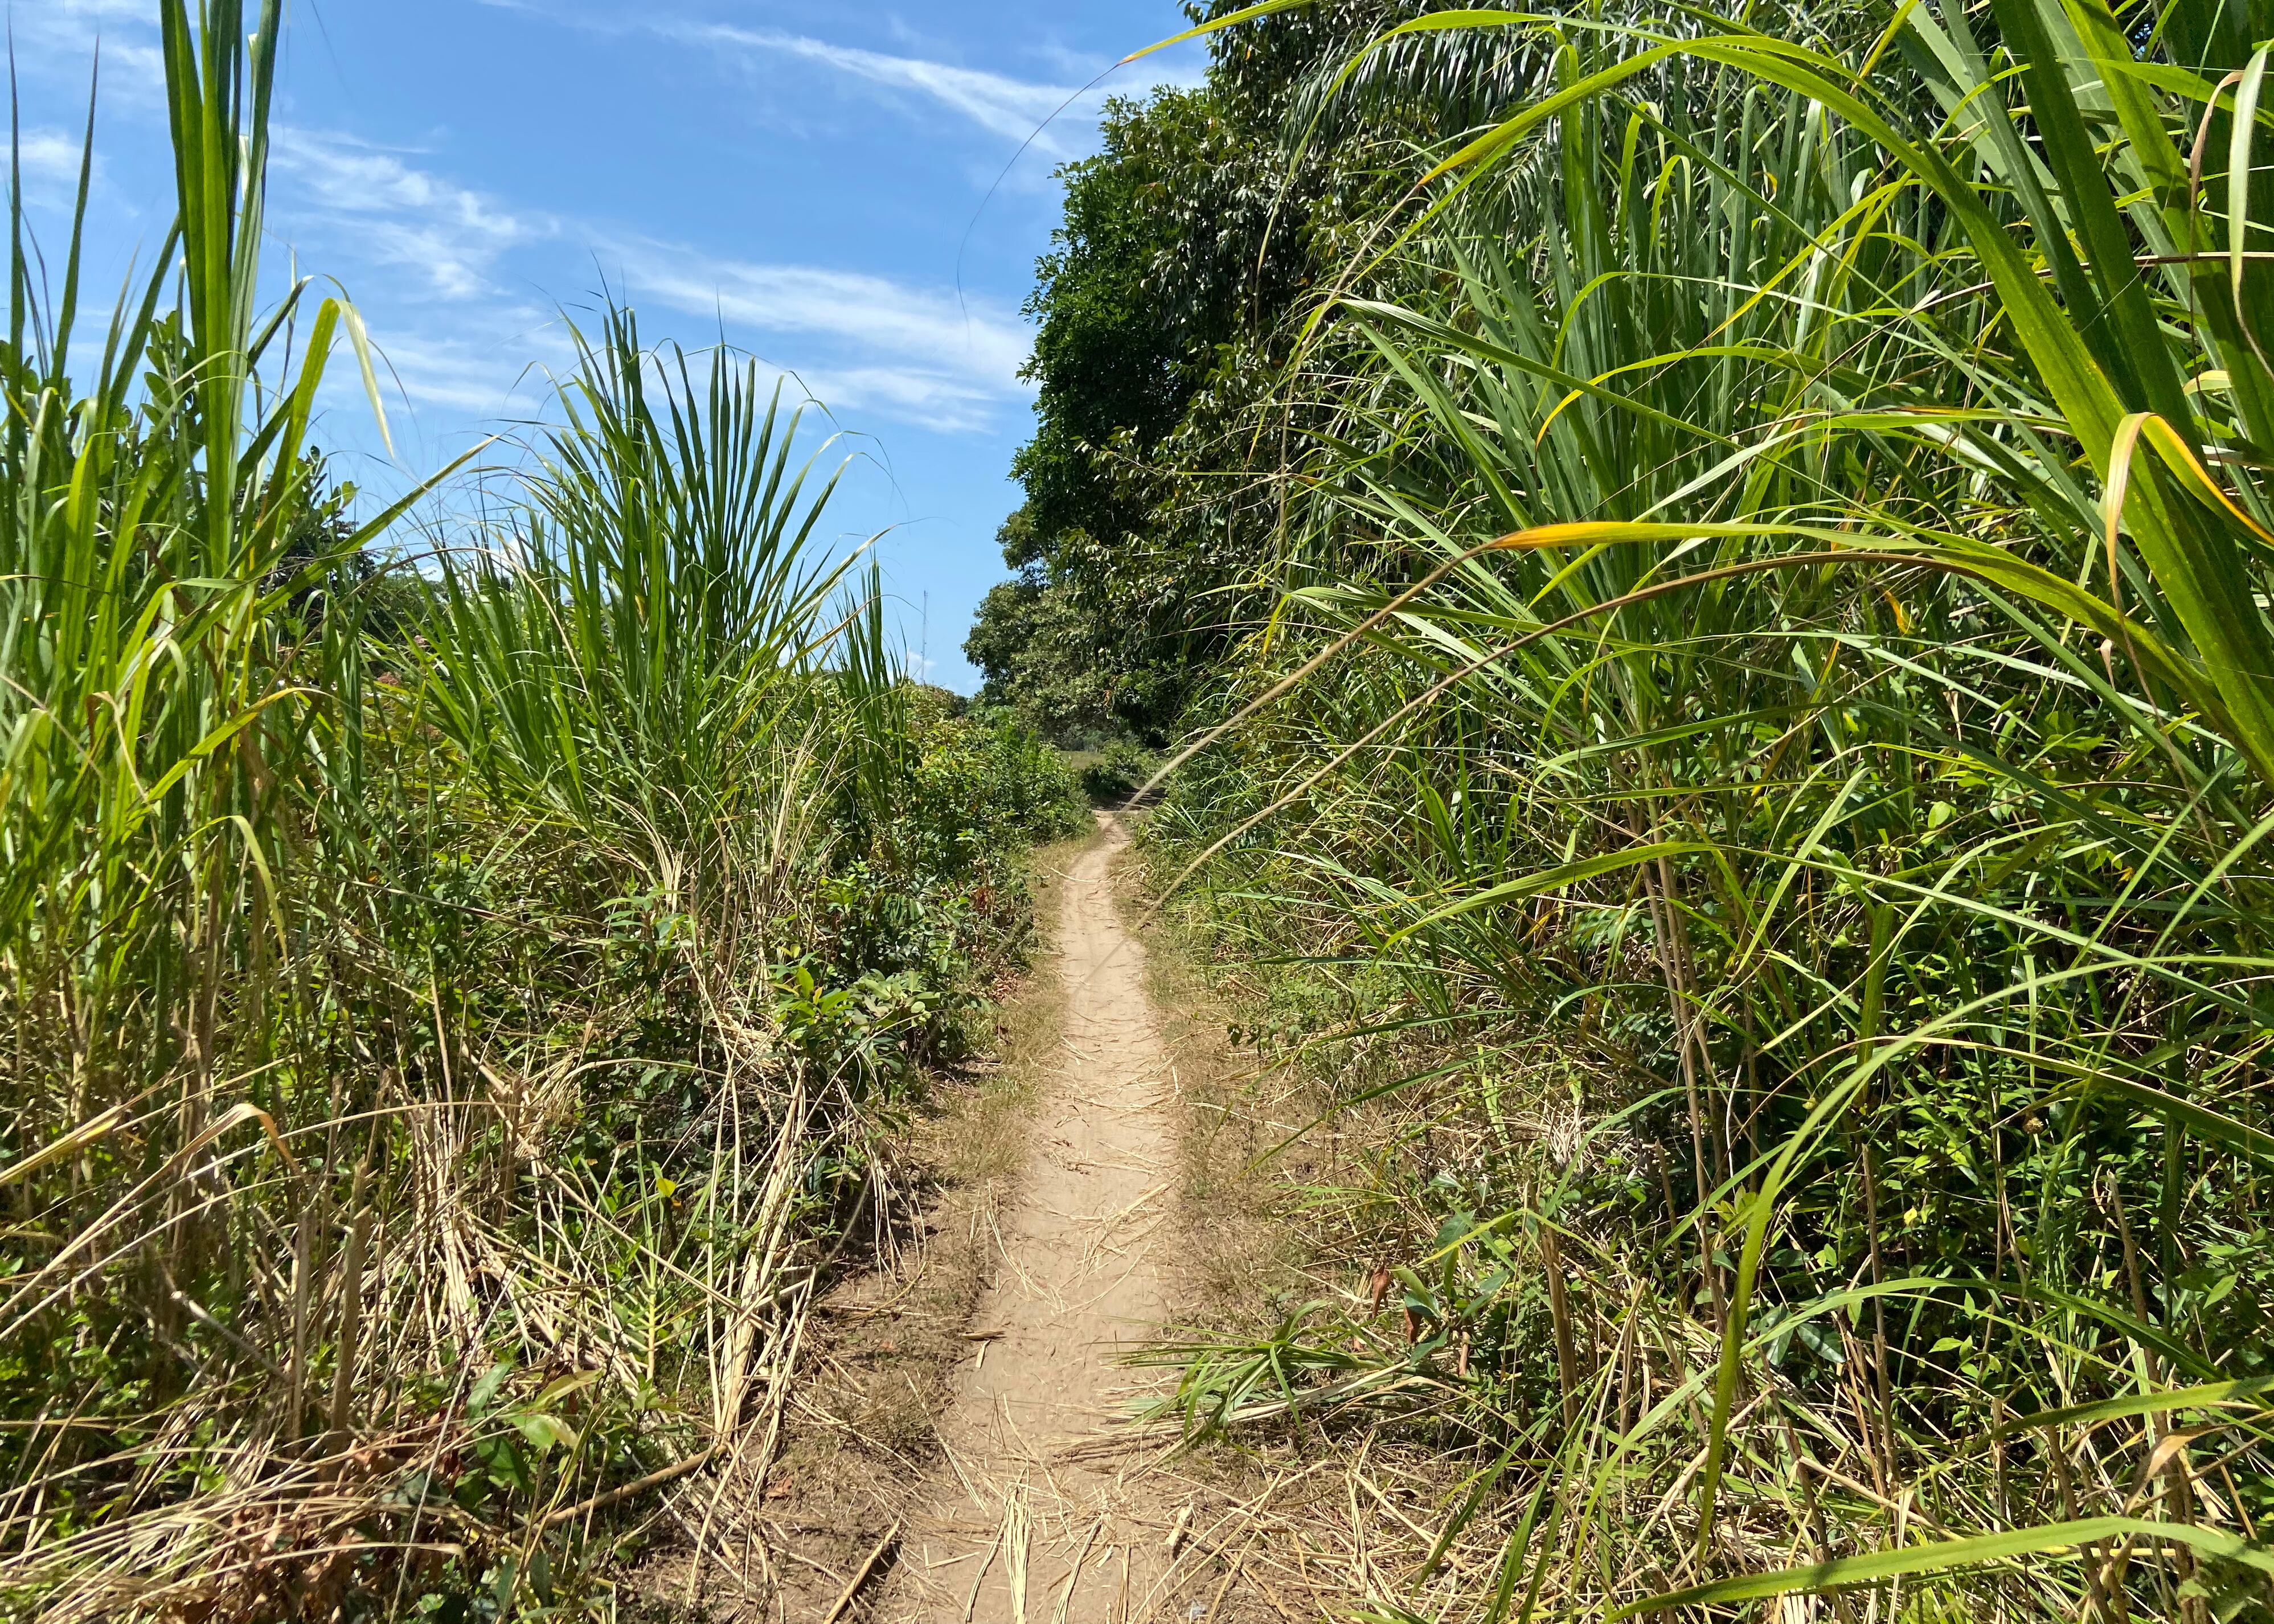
(1118, 772)
(984, 786)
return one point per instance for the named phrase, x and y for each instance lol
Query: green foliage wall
(1762, 754)
(1192, 249)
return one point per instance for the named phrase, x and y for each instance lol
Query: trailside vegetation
(1753, 772)
(446, 1008)
(1193, 248)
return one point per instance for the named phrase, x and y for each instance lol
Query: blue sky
(826, 184)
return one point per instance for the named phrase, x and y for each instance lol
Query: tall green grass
(442, 1031)
(654, 614)
(1780, 648)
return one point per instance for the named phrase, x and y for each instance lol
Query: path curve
(1034, 1517)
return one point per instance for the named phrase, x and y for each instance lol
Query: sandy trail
(1029, 1522)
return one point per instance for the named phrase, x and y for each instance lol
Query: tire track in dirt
(1036, 1516)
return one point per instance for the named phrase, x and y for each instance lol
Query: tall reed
(440, 1046)
(1781, 643)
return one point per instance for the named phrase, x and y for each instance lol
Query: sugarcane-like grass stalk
(1781, 653)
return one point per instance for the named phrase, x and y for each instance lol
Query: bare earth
(1037, 1517)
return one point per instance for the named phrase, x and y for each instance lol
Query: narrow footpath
(1038, 1513)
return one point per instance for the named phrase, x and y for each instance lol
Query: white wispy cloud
(917, 354)
(68, 33)
(498, 365)
(854, 342)
(876, 311)
(444, 269)
(939, 402)
(1013, 109)
(399, 215)
(50, 158)
(432, 256)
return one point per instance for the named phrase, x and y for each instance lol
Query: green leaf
(546, 1432)
(1949, 1554)
(2208, 1395)
(1556, 879)
(485, 1389)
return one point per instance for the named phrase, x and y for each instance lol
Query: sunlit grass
(1719, 700)
(441, 1011)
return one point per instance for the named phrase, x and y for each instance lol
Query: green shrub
(1118, 772)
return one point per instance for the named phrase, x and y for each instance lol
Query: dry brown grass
(798, 1522)
(1288, 1199)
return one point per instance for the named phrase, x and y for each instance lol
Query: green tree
(1099, 629)
(1039, 651)
(1193, 247)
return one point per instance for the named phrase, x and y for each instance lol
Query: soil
(1041, 1507)
(957, 1445)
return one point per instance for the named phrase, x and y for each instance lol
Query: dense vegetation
(1739, 712)
(1712, 575)
(1194, 246)
(445, 1008)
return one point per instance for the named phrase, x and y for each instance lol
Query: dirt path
(1036, 1517)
